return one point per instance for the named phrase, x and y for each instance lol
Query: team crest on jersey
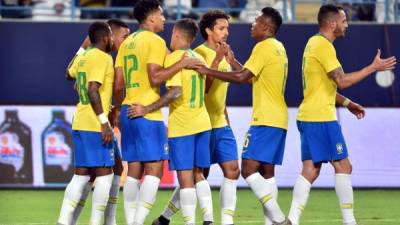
(339, 148)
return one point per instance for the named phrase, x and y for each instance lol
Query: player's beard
(338, 32)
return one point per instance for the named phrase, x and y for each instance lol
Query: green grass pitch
(372, 207)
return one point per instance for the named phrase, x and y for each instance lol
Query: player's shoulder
(319, 41)
(99, 56)
(201, 49)
(152, 37)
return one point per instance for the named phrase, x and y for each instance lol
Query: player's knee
(232, 174)
(311, 173)
(198, 175)
(246, 173)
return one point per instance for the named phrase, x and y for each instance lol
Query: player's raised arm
(345, 80)
(137, 110)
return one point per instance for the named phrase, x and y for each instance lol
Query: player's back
(139, 49)
(319, 90)
(215, 98)
(187, 114)
(93, 66)
(269, 64)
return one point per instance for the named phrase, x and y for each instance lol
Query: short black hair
(326, 11)
(143, 8)
(98, 30)
(274, 16)
(188, 26)
(208, 20)
(116, 24)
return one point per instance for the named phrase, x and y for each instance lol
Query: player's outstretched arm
(158, 74)
(136, 110)
(242, 76)
(95, 102)
(353, 107)
(346, 80)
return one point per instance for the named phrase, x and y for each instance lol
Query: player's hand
(356, 109)
(107, 133)
(85, 44)
(136, 110)
(114, 117)
(230, 56)
(191, 63)
(202, 69)
(222, 49)
(380, 64)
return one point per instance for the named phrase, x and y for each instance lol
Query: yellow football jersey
(187, 114)
(269, 64)
(139, 49)
(319, 89)
(93, 65)
(215, 98)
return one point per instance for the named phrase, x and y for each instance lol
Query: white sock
(301, 191)
(111, 208)
(188, 205)
(263, 191)
(82, 202)
(272, 181)
(72, 195)
(101, 193)
(131, 193)
(204, 197)
(344, 191)
(147, 197)
(227, 196)
(174, 205)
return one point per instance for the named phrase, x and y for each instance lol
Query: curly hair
(208, 20)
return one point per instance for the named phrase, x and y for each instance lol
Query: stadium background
(33, 58)
(35, 55)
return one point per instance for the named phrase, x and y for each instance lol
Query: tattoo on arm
(336, 74)
(172, 94)
(94, 97)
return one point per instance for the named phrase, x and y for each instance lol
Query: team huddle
(198, 133)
